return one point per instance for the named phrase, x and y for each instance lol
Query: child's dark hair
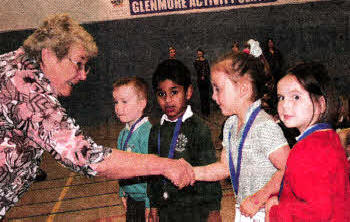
(173, 70)
(241, 64)
(200, 50)
(235, 44)
(314, 78)
(141, 87)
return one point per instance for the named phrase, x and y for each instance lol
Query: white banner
(27, 14)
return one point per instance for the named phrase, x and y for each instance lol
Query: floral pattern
(32, 120)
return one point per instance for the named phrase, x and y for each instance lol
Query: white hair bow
(255, 49)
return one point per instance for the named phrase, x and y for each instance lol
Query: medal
(165, 195)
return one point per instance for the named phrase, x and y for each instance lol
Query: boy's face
(172, 98)
(128, 106)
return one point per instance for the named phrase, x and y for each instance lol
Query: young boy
(181, 134)
(130, 98)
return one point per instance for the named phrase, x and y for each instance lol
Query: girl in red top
(316, 181)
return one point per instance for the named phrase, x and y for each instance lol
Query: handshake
(179, 172)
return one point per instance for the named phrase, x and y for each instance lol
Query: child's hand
(154, 215)
(270, 203)
(249, 207)
(180, 173)
(124, 200)
(260, 198)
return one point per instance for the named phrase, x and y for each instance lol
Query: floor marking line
(60, 198)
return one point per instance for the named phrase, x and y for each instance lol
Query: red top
(316, 184)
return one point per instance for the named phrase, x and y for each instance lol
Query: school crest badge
(181, 143)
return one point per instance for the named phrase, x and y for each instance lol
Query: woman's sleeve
(49, 127)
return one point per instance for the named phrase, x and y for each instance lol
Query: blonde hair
(58, 32)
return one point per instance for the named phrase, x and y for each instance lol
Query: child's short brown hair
(140, 85)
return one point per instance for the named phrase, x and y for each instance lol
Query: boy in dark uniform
(181, 134)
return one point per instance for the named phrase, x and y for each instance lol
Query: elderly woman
(32, 120)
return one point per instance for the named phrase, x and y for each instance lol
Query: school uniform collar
(144, 119)
(188, 113)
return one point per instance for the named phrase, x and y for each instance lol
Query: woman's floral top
(32, 120)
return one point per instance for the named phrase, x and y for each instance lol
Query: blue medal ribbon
(319, 126)
(314, 128)
(173, 140)
(235, 174)
(129, 135)
(171, 149)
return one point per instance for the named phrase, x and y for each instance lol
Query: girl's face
(128, 106)
(295, 106)
(225, 92)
